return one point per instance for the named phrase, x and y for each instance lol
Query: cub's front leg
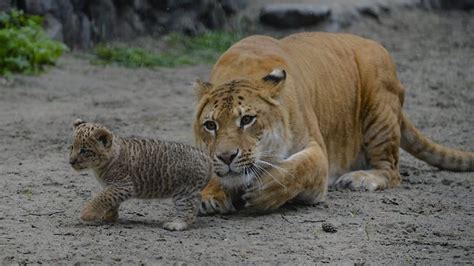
(302, 176)
(105, 205)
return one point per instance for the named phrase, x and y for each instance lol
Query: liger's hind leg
(382, 142)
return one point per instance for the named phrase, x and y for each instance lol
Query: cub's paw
(110, 216)
(89, 214)
(176, 225)
(212, 205)
(362, 181)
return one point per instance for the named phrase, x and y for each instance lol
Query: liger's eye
(246, 119)
(210, 125)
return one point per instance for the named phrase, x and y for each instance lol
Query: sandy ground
(428, 219)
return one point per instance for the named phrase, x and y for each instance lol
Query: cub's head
(243, 126)
(91, 145)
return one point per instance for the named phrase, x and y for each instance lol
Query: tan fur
(139, 168)
(328, 111)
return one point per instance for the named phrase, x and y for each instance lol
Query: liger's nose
(228, 157)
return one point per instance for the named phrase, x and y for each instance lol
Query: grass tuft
(179, 50)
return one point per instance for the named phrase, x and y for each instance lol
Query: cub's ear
(77, 122)
(274, 82)
(201, 87)
(103, 137)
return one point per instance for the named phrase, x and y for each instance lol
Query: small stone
(329, 228)
(446, 182)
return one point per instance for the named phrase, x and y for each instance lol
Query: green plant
(24, 47)
(179, 50)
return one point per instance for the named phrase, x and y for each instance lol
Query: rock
(53, 27)
(129, 16)
(329, 228)
(103, 17)
(140, 5)
(294, 15)
(448, 4)
(369, 10)
(5, 5)
(64, 11)
(79, 5)
(184, 4)
(81, 23)
(36, 7)
(85, 35)
(212, 14)
(232, 6)
(187, 24)
(446, 182)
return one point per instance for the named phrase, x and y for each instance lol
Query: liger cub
(284, 119)
(139, 168)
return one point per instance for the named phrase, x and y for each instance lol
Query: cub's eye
(83, 151)
(210, 125)
(246, 119)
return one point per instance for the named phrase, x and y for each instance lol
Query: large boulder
(5, 5)
(81, 23)
(54, 28)
(294, 15)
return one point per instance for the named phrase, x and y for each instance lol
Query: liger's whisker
(268, 173)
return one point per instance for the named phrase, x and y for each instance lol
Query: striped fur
(139, 168)
(414, 142)
(328, 112)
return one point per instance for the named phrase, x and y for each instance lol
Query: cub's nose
(228, 156)
(72, 161)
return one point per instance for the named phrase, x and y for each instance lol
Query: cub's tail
(418, 145)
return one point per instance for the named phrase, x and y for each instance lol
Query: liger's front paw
(268, 196)
(213, 205)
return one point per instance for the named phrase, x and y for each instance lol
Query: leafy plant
(24, 46)
(180, 50)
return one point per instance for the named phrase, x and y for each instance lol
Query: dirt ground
(428, 219)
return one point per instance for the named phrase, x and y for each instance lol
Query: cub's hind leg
(186, 206)
(382, 142)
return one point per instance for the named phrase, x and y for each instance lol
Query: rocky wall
(82, 23)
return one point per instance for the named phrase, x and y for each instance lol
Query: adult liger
(284, 119)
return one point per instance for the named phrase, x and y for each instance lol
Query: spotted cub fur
(139, 168)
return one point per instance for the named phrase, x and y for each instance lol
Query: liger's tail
(418, 145)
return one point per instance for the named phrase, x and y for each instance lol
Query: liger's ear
(274, 82)
(103, 137)
(201, 87)
(77, 122)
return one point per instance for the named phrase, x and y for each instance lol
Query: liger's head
(241, 125)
